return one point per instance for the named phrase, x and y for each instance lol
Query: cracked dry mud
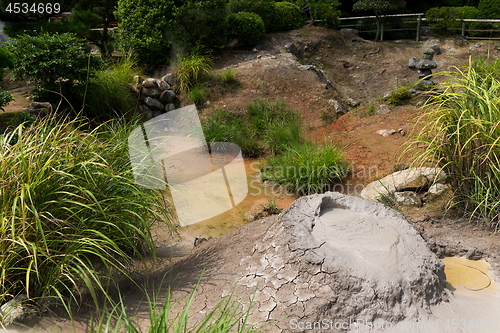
(326, 256)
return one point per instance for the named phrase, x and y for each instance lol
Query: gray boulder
(408, 198)
(398, 181)
(339, 108)
(163, 85)
(167, 96)
(436, 48)
(151, 92)
(169, 78)
(149, 83)
(423, 73)
(169, 107)
(14, 311)
(291, 48)
(153, 103)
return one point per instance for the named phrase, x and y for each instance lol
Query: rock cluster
(425, 66)
(409, 187)
(156, 96)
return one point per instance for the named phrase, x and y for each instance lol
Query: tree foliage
(490, 8)
(324, 10)
(248, 28)
(53, 62)
(378, 7)
(145, 26)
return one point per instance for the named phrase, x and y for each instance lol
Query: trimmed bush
(202, 22)
(145, 27)
(445, 18)
(263, 8)
(288, 16)
(248, 28)
(490, 8)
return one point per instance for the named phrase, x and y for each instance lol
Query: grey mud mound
(342, 258)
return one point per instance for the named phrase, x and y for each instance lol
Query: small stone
(163, 85)
(199, 240)
(386, 95)
(402, 132)
(436, 48)
(291, 48)
(412, 91)
(259, 56)
(423, 73)
(308, 67)
(339, 108)
(478, 45)
(149, 83)
(352, 102)
(428, 56)
(144, 108)
(41, 105)
(136, 89)
(13, 310)
(169, 107)
(169, 78)
(438, 188)
(296, 33)
(419, 183)
(382, 109)
(426, 64)
(412, 62)
(385, 133)
(429, 51)
(138, 79)
(151, 92)
(408, 199)
(153, 103)
(167, 96)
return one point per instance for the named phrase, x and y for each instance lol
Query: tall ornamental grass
(461, 134)
(70, 210)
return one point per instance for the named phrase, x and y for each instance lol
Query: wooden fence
(418, 22)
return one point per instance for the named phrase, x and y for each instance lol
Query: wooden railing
(418, 26)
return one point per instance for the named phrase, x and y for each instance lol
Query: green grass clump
(327, 117)
(109, 90)
(400, 96)
(264, 127)
(307, 168)
(461, 134)
(198, 95)
(70, 210)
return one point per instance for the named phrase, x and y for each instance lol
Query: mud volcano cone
(341, 258)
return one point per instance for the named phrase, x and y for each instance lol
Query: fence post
(382, 31)
(419, 21)
(463, 28)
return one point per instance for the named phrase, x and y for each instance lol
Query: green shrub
(288, 16)
(248, 28)
(71, 211)
(109, 93)
(306, 168)
(263, 8)
(490, 8)
(57, 62)
(202, 23)
(399, 96)
(460, 134)
(145, 27)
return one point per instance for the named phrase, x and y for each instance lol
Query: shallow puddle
(473, 275)
(258, 194)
